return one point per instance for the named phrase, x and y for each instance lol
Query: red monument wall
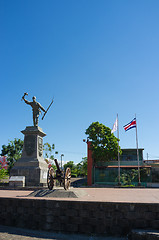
(90, 164)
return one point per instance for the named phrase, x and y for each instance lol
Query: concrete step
(144, 235)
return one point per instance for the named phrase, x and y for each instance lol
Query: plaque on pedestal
(32, 164)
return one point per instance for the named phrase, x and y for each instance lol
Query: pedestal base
(32, 164)
(34, 176)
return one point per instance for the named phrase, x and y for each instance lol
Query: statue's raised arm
(23, 98)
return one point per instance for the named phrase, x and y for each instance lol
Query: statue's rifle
(47, 109)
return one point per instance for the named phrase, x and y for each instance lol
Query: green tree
(71, 165)
(104, 143)
(13, 151)
(79, 169)
(49, 153)
(73, 168)
(82, 167)
(48, 150)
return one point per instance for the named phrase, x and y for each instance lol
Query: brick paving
(136, 195)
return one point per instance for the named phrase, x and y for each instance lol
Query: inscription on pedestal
(29, 144)
(40, 146)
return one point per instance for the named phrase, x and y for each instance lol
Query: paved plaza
(136, 195)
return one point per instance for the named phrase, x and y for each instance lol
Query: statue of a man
(36, 108)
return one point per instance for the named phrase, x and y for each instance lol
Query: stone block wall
(78, 216)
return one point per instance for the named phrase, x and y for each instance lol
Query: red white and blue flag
(130, 125)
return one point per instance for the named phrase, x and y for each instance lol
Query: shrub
(3, 174)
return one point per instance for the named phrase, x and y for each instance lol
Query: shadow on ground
(79, 182)
(58, 193)
(12, 233)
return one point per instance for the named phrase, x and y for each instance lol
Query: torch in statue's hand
(24, 96)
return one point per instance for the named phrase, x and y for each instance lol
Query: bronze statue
(36, 108)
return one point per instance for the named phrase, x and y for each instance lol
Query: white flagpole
(119, 183)
(139, 183)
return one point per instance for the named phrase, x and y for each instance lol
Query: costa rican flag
(130, 125)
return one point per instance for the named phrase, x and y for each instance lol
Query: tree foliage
(13, 151)
(104, 143)
(48, 150)
(79, 169)
(3, 174)
(71, 165)
(49, 154)
(128, 177)
(82, 167)
(73, 168)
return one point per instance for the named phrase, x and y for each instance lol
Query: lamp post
(62, 155)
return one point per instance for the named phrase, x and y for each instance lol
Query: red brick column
(90, 164)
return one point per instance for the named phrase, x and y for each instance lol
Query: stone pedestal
(32, 164)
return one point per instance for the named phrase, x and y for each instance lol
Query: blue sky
(97, 58)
